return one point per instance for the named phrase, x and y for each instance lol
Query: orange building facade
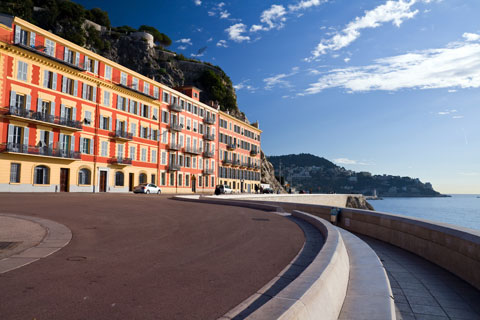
(72, 120)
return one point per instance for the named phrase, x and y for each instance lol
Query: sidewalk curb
(57, 237)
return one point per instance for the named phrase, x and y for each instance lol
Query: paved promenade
(145, 257)
(423, 290)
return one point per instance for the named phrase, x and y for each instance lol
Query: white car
(147, 188)
(223, 189)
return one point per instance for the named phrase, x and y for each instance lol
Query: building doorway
(131, 181)
(103, 181)
(64, 177)
(194, 184)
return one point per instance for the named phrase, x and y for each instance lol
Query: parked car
(267, 190)
(147, 188)
(223, 189)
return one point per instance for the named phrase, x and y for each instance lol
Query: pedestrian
(256, 188)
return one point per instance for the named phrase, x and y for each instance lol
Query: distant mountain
(309, 172)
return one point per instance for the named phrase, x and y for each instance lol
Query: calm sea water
(460, 209)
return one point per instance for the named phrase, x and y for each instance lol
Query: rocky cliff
(268, 175)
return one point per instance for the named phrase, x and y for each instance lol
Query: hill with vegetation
(71, 21)
(308, 172)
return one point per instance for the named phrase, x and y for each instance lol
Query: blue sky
(386, 86)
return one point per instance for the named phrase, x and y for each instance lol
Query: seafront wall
(336, 200)
(454, 248)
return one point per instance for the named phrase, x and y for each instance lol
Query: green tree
(20, 8)
(99, 16)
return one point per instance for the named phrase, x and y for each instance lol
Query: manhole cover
(76, 258)
(260, 219)
(7, 245)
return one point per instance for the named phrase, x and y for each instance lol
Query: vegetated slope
(309, 172)
(67, 20)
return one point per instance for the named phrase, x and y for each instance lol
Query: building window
(166, 97)
(144, 155)
(104, 149)
(154, 157)
(108, 72)
(84, 176)
(135, 83)
(172, 179)
(156, 92)
(22, 71)
(15, 172)
(165, 116)
(187, 181)
(86, 146)
(132, 153)
(146, 88)
(153, 179)
(119, 179)
(213, 181)
(123, 78)
(162, 178)
(180, 179)
(42, 175)
(142, 178)
(106, 98)
(50, 47)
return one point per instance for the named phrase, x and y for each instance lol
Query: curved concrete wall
(454, 248)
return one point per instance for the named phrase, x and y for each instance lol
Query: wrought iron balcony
(209, 120)
(208, 171)
(174, 146)
(208, 154)
(192, 150)
(39, 117)
(231, 146)
(209, 137)
(120, 161)
(227, 162)
(176, 127)
(11, 147)
(253, 152)
(176, 107)
(236, 162)
(174, 167)
(122, 135)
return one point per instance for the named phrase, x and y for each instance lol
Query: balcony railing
(122, 135)
(120, 161)
(43, 118)
(132, 88)
(174, 167)
(40, 51)
(231, 146)
(174, 146)
(176, 107)
(253, 153)
(209, 137)
(208, 171)
(227, 162)
(209, 120)
(39, 151)
(192, 150)
(208, 154)
(176, 127)
(236, 162)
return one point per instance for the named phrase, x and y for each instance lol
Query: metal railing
(120, 160)
(176, 127)
(209, 120)
(208, 154)
(209, 137)
(47, 118)
(231, 146)
(174, 167)
(174, 146)
(236, 162)
(190, 149)
(227, 161)
(208, 171)
(253, 152)
(122, 135)
(39, 151)
(176, 107)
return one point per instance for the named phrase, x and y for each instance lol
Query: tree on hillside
(99, 16)
(19, 8)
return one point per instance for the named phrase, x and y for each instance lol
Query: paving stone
(429, 310)
(426, 301)
(429, 317)
(467, 314)
(403, 307)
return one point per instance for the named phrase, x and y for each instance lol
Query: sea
(460, 209)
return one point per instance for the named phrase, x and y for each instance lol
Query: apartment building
(239, 156)
(72, 120)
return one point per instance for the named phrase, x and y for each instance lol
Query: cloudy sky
(386, 86)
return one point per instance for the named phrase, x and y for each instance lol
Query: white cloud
(447, 112)
(235, 32)
(198, 2)
(344, 161)
(255, 28)
(305, 4)
(469, 174)
(457, 117)
(210, 39)
(244, 85)
(274, 17)
(347, 60)
(455, 66)
(182, 47)
(224, 14)
(197, 55)
(186, 41)
(471, 36)
(391, 11)
(279, 80)
(222, 43)
(211, 13)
